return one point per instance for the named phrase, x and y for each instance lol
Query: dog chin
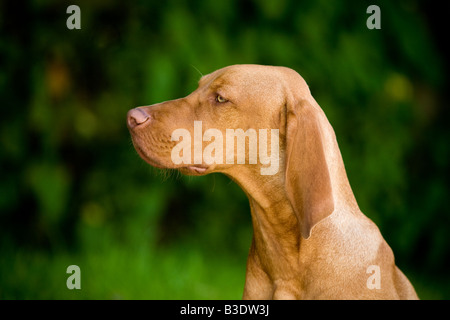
(151, 160)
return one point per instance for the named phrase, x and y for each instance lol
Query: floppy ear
(308, 183)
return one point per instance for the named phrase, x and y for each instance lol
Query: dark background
(74, 191)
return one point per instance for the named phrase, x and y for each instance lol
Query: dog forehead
(249, 78)
(253, 76)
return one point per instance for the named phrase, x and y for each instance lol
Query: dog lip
(198, 168)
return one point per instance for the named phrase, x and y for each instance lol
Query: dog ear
(308, 183)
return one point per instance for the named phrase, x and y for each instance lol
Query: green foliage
(74, 191)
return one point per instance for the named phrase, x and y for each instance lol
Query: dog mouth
(193, 170)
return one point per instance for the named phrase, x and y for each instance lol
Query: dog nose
(136, 117)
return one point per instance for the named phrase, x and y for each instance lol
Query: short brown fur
(310, 239)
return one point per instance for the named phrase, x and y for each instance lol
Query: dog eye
(220, 99)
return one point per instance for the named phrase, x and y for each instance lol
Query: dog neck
(276, 231)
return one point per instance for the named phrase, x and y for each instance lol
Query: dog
(310, 240)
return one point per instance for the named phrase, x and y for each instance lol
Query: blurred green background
(74, 191)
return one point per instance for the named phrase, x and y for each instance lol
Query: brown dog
(310, 239)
